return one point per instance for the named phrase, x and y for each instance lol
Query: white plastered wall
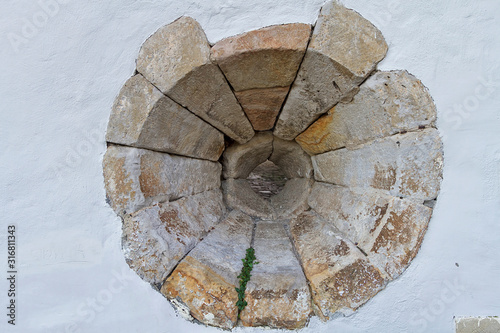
(60, 74)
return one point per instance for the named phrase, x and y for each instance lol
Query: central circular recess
(285, 142)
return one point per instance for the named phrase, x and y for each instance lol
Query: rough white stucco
(56, 96)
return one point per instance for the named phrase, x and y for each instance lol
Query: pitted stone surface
(292, 160)
(194, 82)
(277, 293)
(205, 280)
(477, 325)
(344, 50)
(156, 238)
(387, 103)
(240, 159)
(292, 200)
(340, 276)
(404, 165)
(239, 195)
(137, 178)
(143, 117)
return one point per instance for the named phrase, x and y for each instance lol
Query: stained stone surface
(205, 280)
(157, 237)
(477, 325)
(137, 178)
(387, 103)
(403, 165)
(240, 159)
(292, 200)
(340, 276)
(239, 195)
(344, 50)
(176, 59)
(143, 117)
(277, 293)
(292, 160)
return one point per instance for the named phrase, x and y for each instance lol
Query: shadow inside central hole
(267, 179)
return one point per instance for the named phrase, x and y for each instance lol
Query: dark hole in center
(267, 179)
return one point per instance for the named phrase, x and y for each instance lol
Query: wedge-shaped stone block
(292, 160)
(403, 165)
(206, 279)
(357, 215)
(176, 59)
(343, 51)
(292, 200)
(277, 294)
(137, 178)
(240, 159)
(387, 103)
(340, 276)
(399, 239)
(143, 117)
(239, 195)
(262, 105)
(156, 238)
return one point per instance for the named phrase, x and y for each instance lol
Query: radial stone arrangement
(358, 146)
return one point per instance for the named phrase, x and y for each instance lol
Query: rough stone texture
(340, 276)
(263, 58)
(389, 230)
(143, 117)
(403, 165)
(205, 280)
(387, 103)
(240, 159)
(292, 200)
(239, 195)
(176, 59)
(477, 325)
(156, 238)
(292, 160)
(261, 65)
(262, 105)
(343, 51)
(277, 293)
(137, 178)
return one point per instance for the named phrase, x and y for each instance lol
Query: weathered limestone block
(387, 103)
(477, 324)
(403, 165)
(261, 65)
(340, 276)
(357, 215)
(240, 159)
(176, 59)
(239, 195)
(292, 160)
(156, 238)
(205, 280)
(398, 241)
(343, 51)
(143, 117)
(277, 293)
(262, 105)
(137, 178)
(292, 200)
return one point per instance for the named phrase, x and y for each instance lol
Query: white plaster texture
(63, 64)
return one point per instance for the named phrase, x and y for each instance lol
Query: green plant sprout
(244, 277)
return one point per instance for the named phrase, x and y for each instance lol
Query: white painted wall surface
(57, 88)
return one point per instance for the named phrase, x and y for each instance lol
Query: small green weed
(244, 277)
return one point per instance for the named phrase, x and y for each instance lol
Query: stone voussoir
(291, 159)
(239, 195)
(156, 238)
(403, 165)
(240, 159)
(340, 276)
(136, 178)
(261, 65)
(344, 49)
(206, 279)
(387, 103)
(277, 294)
(195, 82)
(293, 198)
